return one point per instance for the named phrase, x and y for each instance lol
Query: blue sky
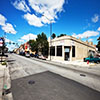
(24, 20)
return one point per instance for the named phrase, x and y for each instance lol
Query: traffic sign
(1, 42)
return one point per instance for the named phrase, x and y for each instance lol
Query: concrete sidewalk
(76, 62)
(5, 83)
(77, 65)
(2, 75)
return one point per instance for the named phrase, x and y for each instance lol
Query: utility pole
(87, 45)
(50, 35)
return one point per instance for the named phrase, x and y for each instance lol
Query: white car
(42, 57)
(27, 54)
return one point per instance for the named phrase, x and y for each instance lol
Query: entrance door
(67, 53)
(66, 56)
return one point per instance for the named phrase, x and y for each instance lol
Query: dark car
(36, 56)
(32, 55)
(22, 53)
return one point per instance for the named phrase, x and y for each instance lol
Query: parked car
(27, 54)
(36, 56)
(92, 59)
(22, 53)
(32, 55)
(42, 57)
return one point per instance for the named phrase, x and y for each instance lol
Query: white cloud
(12, 47)
(21, 5)
(29, 37)
(2, 20)
(48, 8)
(90, 40)
(20, 40)
(7, 40)
(86, 34)
(95, 18)
(8, 28)
(33, 20)
(98, 29)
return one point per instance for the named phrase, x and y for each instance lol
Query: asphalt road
(46, 84)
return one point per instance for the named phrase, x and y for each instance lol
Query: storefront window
(52, 51)
(73, 51)
(59, 50)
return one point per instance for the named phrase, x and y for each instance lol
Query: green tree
(42, 43)
(98, 45)
(53, 35)
(61, 35)
(33, 45)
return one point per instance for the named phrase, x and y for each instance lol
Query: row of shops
(65, 48)
(23, 49)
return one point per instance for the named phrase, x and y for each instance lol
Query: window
(59, 50)
(73, 51)
(52, 51)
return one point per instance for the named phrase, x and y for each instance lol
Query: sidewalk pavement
(76, 62)
(92, 68)
(5, 83)
(2, 74)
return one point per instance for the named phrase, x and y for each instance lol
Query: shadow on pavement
(50, 86)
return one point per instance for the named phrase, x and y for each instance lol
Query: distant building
(68, 48)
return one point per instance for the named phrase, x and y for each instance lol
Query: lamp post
(50, 34)
(87, 45)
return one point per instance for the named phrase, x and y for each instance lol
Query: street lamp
(87, 45)
(50, 33)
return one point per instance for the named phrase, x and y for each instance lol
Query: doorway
(66, 56)
(67, 53)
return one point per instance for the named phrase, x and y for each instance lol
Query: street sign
(1, 42)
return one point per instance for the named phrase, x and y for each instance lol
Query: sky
(22, 20)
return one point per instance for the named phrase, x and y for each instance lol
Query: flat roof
(67, 37)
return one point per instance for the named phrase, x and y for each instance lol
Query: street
(31, 79)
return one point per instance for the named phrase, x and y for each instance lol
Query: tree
(33, 45)
(53, 35)
(42, 43)
(98, 45)
(61, 35)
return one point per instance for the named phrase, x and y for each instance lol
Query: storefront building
(68, 48)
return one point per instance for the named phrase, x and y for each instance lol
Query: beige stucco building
(68, 48)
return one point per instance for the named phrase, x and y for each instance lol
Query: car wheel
(97, 62)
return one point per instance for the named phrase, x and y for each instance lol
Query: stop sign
(1, 42)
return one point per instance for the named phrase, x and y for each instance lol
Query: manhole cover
(82, 75)
(31, 82)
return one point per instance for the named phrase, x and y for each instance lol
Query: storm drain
(83, 75)
(31, 82)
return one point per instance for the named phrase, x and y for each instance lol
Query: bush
(4, 63)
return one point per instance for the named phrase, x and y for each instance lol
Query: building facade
(68, 48)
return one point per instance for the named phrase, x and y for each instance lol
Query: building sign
(67, 49)
(72, 43)
(1, 42)
(60, 42)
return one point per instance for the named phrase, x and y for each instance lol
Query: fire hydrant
(87, 62)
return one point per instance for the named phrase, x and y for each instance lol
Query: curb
(61, 66)
(7, 94)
